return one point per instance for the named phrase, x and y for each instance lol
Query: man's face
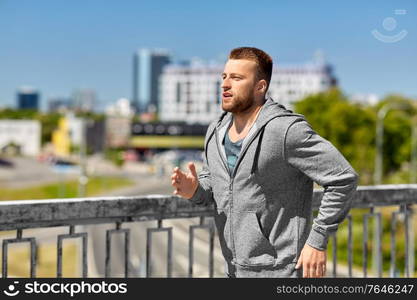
(239, 81)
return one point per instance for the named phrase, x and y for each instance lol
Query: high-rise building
(192, 92)
(27, 98)
(147, 68)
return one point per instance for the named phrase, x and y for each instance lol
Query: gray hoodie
(263, 210)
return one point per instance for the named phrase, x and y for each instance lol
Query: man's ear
(262, 85)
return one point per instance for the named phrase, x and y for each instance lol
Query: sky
(58, 46)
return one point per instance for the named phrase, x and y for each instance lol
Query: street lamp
(382, 112)
(83, 179)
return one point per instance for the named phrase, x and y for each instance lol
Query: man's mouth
(227, 95)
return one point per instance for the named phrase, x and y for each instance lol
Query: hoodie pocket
(252, 248)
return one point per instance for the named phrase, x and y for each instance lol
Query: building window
(218, 92)
(178, 98)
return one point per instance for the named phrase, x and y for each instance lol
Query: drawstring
(205, 146)
(212, 133)
(258, 148)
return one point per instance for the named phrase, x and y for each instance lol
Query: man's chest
(235, 136)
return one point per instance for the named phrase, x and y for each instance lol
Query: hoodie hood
(269, 110)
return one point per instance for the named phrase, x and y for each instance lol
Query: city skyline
(42, 45)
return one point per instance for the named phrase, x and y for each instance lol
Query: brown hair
(262, 59)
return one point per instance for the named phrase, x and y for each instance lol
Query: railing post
(411, 252)
(377, 245)
(409, 241)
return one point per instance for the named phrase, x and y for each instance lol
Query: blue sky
(58, 46)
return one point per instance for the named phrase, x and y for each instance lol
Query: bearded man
(260, 162)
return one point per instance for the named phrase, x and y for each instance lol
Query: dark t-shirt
(232, 151)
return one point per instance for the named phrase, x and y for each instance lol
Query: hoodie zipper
(231, 178)
(231, 195)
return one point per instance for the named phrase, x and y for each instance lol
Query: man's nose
(226, 84)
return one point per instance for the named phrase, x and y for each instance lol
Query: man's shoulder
(285, 121)
(215, 121)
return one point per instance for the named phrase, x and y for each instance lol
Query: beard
(238, 104)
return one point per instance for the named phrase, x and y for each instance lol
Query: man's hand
(185, 184)
(313, 262)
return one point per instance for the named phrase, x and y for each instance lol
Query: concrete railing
(28, 214)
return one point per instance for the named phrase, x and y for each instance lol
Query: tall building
(147, 68)
(27, 98)
(192, 92)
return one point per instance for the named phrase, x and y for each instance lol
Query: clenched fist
(185, 184)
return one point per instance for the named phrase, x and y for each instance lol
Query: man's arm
(195, 188)
(203, 194)
(324, 164)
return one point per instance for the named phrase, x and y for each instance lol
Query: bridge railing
(28, 214)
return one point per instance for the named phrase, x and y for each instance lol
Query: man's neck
(245, 119)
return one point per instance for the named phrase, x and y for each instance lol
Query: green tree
(350, 127)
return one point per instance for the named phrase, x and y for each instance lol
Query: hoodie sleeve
(317, 158)
(204, 195)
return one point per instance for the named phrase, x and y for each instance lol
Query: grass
(19, 261)
(66, 189)
(358, 232)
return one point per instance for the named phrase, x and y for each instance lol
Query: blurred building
(117, 131)
(24, 136)
(367, 99)
(121, 108)
(192, 92)
(61, 139)
(84, 100)
(72, 131)
(292, 83)
(147, 68)
(27, 98)
(95, 135)
(118, 123)
(60, 104)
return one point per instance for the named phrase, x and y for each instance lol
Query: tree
(350, 127)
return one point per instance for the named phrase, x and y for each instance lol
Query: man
(259, 165)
